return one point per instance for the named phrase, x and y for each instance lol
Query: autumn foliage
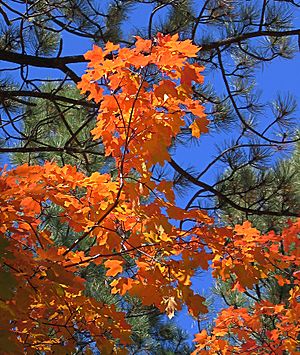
(145, 96)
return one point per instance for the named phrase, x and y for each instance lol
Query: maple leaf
(30, 205)
(110, 47)
(166, 87)
(143, 45)
(121, 285)
(196, 306)
(200, 337)
(171, 306)
(191, 73)
(199, 126)
(114, 267)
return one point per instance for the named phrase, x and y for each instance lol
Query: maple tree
(252, 322)
(150, 331)
(145, 97)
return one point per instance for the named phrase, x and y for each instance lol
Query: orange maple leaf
(114, 266)
(199, 126)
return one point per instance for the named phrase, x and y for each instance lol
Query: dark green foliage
(56, 124)
(275, 189)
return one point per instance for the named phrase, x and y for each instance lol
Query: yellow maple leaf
(170, 306)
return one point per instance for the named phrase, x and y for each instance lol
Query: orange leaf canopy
(145, 99)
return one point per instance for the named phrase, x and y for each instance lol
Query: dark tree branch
(5, 17)
(48, 150)
(61, 62)
(194, 30)
(224, 198)
(44, 62)
(217, 158)
(262, 17)
(7, 94)
(36, 61)
(159, 7)
(249, 35)
(237, 110)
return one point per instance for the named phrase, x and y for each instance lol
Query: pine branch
(248, 35)
(224, 198)
(246, 125)
(47, 149)
(7, 94)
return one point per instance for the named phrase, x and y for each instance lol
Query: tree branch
(44, 62)
(248, 35)
(47, 150)
(223, 197)
(47, 96)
